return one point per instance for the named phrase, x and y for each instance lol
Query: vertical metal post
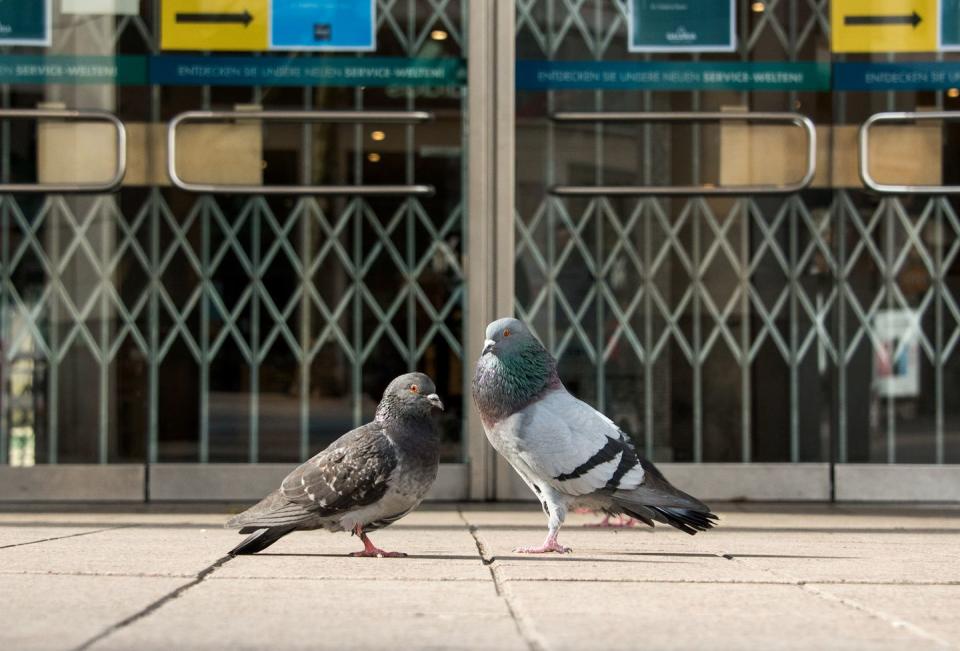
(6, 357)
(255, 351)
(53, 378)
(490, 206)
(746, 389)
(106, 246)
(938, 335)
(794, 334)
(206, 284)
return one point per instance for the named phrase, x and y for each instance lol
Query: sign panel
(672, 75)
(950, 25)
(896, 361)
(890, 26)
(63, 69)
(682, 26)
(287, 71)
(25, 22)
(101, 7)
(323, 25)
(234, 25)
(915, 75)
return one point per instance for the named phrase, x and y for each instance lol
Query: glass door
(287, 237)
(724, 293)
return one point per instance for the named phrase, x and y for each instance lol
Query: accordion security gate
(730, 330)
(154, 326)
(733, 330)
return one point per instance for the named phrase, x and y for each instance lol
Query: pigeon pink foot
(372, 551)
(549, 545)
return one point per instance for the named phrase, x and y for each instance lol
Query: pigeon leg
(371, 550)
(622, 522)
(557, 511)
(549, 545)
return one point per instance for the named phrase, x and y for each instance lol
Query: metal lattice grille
(727, 329)
(156, 325)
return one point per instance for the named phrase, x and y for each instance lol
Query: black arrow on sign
(912, 19)
(245, 18)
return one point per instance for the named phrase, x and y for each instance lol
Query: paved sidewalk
(774, 576)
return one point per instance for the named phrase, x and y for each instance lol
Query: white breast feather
(556, 435)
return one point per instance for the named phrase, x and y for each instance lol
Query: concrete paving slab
(665, 589)
(298, 614)
(448, 554)
(832, 557)
(133, 550)
(22, 535)
(577, 615)
(934, 609)
(62, 612)
(616, 555)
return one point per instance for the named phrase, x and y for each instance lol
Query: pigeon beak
(434, 400)
(488, 346)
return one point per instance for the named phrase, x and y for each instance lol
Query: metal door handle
(79, 115)
(353, 117)
(863, 150)
(693, 116)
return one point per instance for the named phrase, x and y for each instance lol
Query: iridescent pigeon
(365, 480)
(567, 452)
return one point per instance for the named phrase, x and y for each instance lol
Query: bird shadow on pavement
(731, 556)
(461, 557)
(432, 557)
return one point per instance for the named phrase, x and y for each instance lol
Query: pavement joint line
(72, 535)
(525, 630)
(895, 622)
(379, 579)
(134, 575)
(892, 620)
(157, 604)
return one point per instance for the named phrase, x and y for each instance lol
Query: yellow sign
(214, 25)
(884, 26)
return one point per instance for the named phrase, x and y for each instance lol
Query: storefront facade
(213, 268)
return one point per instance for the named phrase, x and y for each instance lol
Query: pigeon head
(508, 337)
(513, 370)
(409, 395)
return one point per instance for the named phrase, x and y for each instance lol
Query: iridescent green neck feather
(509, 382)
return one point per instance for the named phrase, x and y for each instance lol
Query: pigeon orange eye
(506, 333)
(414, 388)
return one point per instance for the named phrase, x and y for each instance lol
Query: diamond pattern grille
(691, 320)
(156, 286)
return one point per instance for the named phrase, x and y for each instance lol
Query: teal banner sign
(913, 75)
(682, 26)
(25, 22)
(950, 25)
(178, 70)
(56, 69)
(671, 75)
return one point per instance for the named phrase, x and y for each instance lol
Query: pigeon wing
(572, 447)
(353, 472)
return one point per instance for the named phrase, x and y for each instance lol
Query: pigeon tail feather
(271, 511)
(260, 540)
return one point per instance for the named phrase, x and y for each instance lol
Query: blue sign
(323, 25)
(25, 22)
(672, 75)
(123, 70)
(682, 26)
(186, 70)
(950, 25)
(915, 75)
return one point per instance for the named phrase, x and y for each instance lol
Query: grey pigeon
(567, 452)
(365, 480)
